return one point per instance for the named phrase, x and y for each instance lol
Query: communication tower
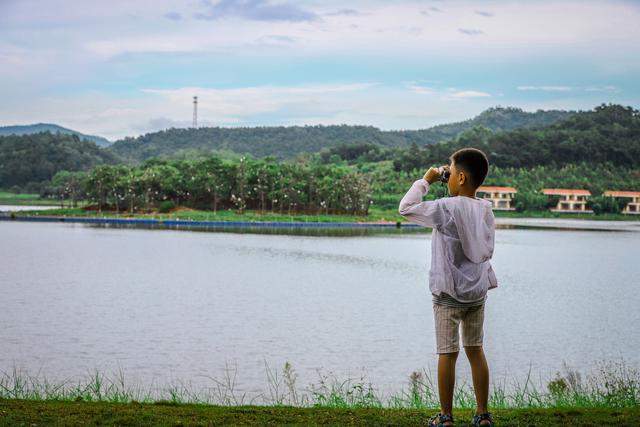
(195, 111)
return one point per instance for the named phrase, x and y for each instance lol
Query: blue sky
(122, 68)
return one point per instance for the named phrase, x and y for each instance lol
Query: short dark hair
(474, 162)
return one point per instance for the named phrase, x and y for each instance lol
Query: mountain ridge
(31, 129)
(285, 142)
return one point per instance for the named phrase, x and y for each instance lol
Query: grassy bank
(7, 198)
(609, 385)
(609, 395)
(226, 215)
(375, 215)
(24, 412)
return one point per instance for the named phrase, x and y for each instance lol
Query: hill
(497, 119)
(48, 127)
(609, 134)
(287, 142)
(28, 160)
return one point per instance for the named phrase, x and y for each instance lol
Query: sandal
(440, 420)
(477, 419)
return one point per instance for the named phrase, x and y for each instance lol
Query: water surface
(166, 305)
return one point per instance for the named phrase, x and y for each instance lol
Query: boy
(460, 275)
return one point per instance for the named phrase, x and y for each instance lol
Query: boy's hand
(433, 174)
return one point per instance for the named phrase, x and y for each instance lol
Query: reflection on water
(167, 305)
(279, 230)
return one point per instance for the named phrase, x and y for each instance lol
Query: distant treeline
(608, 134)
(597, 150)
(213, 184)
(288, 142)
(27, 162)
(267, 185)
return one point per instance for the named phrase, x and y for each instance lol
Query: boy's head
(469, 167)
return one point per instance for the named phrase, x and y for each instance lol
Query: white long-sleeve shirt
(461, 244)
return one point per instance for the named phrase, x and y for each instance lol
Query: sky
(125, 68)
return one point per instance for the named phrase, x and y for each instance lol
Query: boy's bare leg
(480, 375)
(446, 381)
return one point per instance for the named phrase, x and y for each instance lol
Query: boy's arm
(429, 214)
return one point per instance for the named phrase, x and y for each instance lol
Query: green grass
(611, 384)
(29, 413)
(226, 215)
(8, 195)
(610, 395)
(7, 198)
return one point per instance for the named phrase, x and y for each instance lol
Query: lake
(166, 305)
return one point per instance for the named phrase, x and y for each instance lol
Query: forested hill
(610, 134)
(287, 142)
(48, 127)
(496, 119)
(27, 160)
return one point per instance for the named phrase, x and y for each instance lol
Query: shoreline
(575, 224)
(189, 223)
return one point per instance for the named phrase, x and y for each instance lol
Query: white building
(501, 197)
(633, 206)
(572, 201)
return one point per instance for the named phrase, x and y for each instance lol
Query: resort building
(633, 207)
(570, 200)
(501, 197)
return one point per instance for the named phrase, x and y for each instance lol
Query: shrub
(166, 206)
(604, 204)
(527, 201)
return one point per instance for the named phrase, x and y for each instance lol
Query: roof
(494, 189)
(565, 192)
(622, 193)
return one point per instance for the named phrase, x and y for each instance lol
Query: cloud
(546, 88)
(162, 123)
(143, 44)
(255, 10)
(444, 94)
(110, 32)
(347, 103)
(592, 88)
(419, 89)
(233, 103)
(607, 88)
(276, 39)
(484, 13)
(282, 90)
(431, 9)
(470, 31)
(67, 49)
(344, 12)
(469, 94)
(174, 16)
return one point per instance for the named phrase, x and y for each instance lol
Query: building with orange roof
(571, 200)
(500, 197)
(633, 206)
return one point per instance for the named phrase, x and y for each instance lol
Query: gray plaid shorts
(449, 320)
